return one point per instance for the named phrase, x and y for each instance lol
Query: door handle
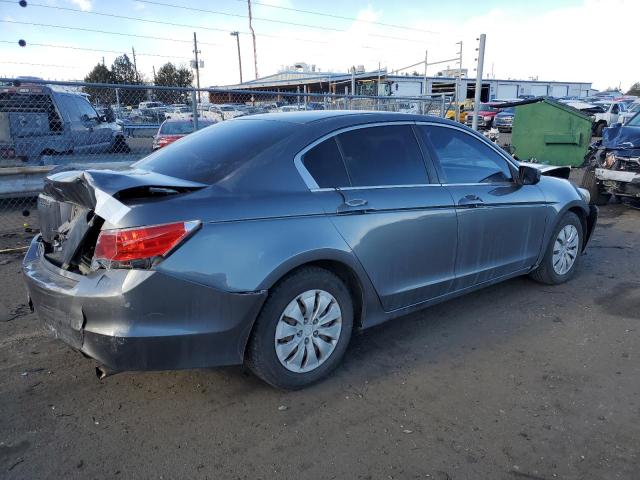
(355, 205)
(470, 201)
(356, 202)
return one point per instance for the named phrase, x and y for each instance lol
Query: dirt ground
(518, 381)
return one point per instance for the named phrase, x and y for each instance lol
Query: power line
(92, 30)
(282, 22)
(48, 45)
(39, 64)
(352, 19)
(159, 22)
(174, 24)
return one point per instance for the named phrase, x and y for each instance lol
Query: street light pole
(237, 35)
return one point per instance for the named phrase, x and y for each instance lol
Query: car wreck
(613, 164)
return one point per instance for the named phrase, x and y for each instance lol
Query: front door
(500, 222)
(401, 227)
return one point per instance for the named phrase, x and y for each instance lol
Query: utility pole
(103, 61)
(424, 92)
(237, 35)
(457, 94)
(253, 34)
(353, 80)
(135, 65)
(196, 52)
(154, 73)
(479, 68)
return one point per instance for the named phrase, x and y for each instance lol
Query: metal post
(253, 34)
(237, 35)
(196, 52)
(353, 80)
(194, 109)
(135, 65)
(424, 89)
(346, 98)
(378, 89)
(478, 92)
(298, 97)
(457, 93)
(442, 106)
(118, 99)
(305, 96)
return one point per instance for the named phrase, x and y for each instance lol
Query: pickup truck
(36, 120)
(609, 117)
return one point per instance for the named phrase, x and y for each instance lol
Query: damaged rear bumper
(140, 319)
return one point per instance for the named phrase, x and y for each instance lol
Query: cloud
(84, 5)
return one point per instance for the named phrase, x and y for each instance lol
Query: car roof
(340, 116)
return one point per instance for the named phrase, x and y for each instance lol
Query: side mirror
(84, 117)
(528, 175)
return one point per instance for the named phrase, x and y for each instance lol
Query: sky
(562, 40)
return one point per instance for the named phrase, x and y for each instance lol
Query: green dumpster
(549, 132)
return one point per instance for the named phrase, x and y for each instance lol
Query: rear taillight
(139, 247)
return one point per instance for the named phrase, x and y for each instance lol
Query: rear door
(400, 225)
(500, 223)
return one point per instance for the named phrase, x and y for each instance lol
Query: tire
(120, 146)
(590, 183)
(546, 273)
(599, 129)
(261, 355)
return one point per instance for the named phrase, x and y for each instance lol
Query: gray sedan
(269, 239)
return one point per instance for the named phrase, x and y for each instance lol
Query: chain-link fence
(48, 126)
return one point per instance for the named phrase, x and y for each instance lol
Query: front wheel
(303, 329)
(597, 193)
(563, 253)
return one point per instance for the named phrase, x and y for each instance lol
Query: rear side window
(382, 156)
(212, 154)
(325, 165)
(464, 158)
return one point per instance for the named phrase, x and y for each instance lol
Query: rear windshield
(210, 155)
(181, 128)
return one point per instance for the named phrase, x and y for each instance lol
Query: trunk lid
(75, 205)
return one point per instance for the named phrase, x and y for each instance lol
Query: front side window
(382, 156)
(464, 158)
(325, 165)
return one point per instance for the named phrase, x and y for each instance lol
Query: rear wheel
(303, 329)
(120, 145)
(563, 253)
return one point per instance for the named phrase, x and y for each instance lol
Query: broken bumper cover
(140, 319)
(619, 182)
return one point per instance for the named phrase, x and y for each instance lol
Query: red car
(174, 129)
(486, 114)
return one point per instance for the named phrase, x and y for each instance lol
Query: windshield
(487, 108)
(212, 154)
(634, 108)
(635, 121)
(510, 110)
